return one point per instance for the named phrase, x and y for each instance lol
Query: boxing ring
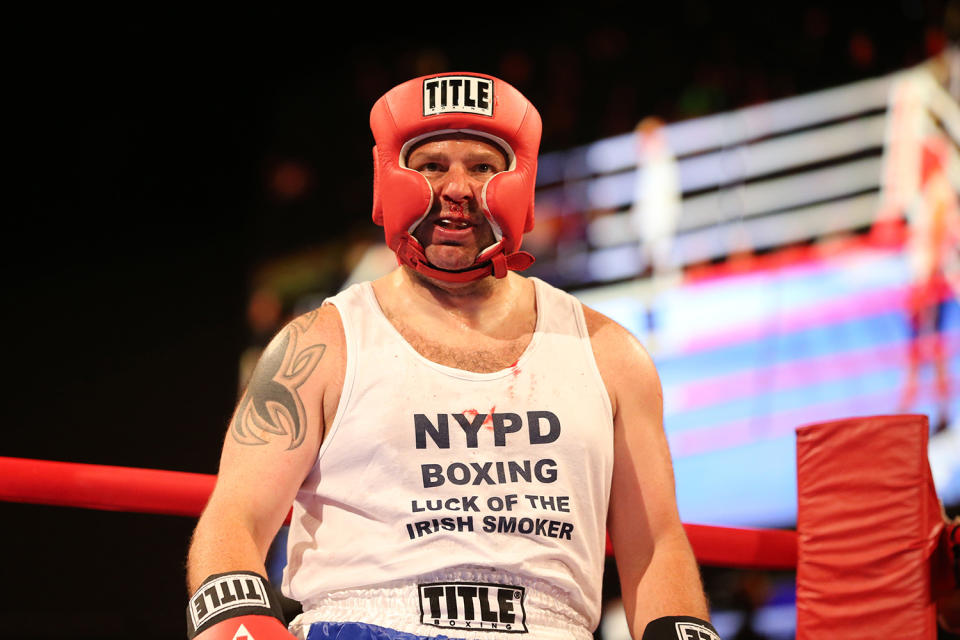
(872, 551)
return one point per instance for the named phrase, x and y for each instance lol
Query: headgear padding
(469, 103)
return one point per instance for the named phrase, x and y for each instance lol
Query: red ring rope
(94, 486)
(109, 488)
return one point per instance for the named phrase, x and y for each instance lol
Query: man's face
(455, 231)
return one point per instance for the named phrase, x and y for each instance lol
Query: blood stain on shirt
(515, 370)
(470, 414)
(488, 422)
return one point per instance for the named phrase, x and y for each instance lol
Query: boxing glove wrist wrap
(680, 628)
(228, 595)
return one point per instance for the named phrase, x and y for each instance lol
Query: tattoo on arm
(271, 404)
(303, 322)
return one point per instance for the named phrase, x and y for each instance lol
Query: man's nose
(458, 184)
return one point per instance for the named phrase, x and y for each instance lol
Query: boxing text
(481, 473)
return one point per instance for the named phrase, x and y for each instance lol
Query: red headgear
(452, 103)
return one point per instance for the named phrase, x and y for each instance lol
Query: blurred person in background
(656, 207)
(921, 177)
(933, 255)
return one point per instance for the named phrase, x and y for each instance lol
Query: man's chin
(450, 258)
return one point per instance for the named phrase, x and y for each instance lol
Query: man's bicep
(642, 497)
(276, 430)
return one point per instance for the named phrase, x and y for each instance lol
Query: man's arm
(658, 573)
(270, 446)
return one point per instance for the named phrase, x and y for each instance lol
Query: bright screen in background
(745, 359)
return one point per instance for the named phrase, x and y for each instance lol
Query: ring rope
(179, 493)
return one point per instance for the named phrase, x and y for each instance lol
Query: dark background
(159, 159)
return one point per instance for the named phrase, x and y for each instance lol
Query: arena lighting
(781, 193)
(617, 191)
(724, 163)
(776, 229)
(733, 128)
(708, 211)
(728, 167)
(779, 154)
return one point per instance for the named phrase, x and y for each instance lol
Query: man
(452, 433)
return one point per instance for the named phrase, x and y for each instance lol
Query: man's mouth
(453, 223)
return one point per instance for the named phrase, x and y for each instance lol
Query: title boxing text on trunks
(473, 605)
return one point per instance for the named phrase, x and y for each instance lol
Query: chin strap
(410, 253)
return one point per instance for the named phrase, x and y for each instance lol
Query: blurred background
(765, 196)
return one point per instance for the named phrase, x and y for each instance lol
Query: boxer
(456, 439)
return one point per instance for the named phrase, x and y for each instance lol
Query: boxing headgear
(469, 103)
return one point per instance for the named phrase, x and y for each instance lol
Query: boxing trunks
(362, 631)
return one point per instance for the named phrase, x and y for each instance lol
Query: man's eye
(483, 167)
(429, 167)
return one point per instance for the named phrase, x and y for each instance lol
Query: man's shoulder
(321, 320)
(318, 332)
(606, 332)
(607, 337)
(315, 355)
(620, 356)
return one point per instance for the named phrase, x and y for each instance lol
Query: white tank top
(453, 499)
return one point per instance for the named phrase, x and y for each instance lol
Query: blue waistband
(362, 631)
